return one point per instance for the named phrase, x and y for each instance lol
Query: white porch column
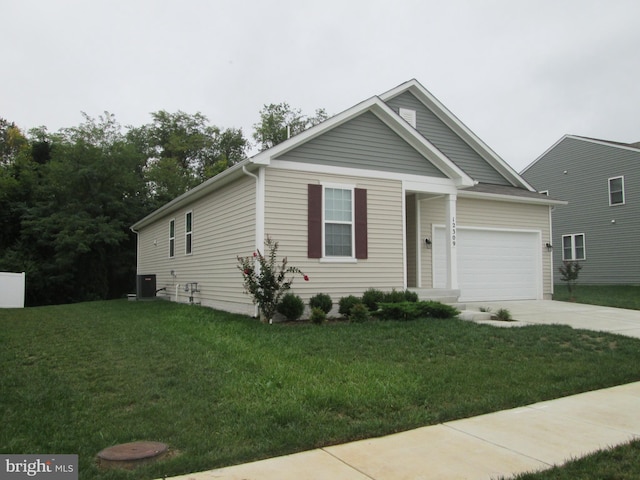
(452, 255)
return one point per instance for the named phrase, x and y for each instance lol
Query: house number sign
(453, 231)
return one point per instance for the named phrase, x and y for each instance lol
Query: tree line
(67, 199)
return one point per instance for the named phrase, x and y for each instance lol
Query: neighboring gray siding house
(424, 204)
(600, 225)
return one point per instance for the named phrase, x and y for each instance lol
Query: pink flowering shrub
(265, 280)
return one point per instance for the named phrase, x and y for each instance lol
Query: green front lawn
(620, 463)
(620, 296)
(222, 389)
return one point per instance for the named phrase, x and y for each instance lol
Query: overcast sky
(519, 73)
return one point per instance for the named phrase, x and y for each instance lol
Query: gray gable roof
(363, 142)
(467, 141)
(447, 141)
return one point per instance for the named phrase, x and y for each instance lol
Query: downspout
(137, 253)
(259, 216)
(551, 252)
(259, 227)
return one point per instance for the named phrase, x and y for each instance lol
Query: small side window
(172, 238)
(616, 191)
(188, 233)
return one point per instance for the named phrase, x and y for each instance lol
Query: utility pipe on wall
(259, 233)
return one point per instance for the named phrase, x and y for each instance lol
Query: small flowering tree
(569, 273)
(265, 281)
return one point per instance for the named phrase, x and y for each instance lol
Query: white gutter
(259, 225)
(137, 249)
(259, 231)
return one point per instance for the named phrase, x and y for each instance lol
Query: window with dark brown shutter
(314, 221)
(337, 241)
(362, 250)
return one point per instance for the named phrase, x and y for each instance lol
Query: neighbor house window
(172, 238)
(188, 232)
(573, 247)
(337, 222)
(616, 191)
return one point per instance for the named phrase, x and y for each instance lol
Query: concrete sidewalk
(498, 444)
(577, 315)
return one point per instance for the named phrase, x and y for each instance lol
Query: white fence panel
(12, 290)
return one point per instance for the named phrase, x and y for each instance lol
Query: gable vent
(409, 116)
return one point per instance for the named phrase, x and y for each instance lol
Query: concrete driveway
(576, 315)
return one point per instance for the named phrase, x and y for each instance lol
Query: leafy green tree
(74, 241)
(16, 181)
(12, 141)
(278, 122)
(183, 150)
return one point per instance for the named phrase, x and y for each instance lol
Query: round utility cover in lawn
(132, 455)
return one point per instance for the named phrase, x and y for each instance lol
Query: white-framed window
(616, 191)
(574, 247)
(338, 221)
(188, 233)
(172, 238)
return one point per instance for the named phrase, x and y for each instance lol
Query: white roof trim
(198, 191)
(510, 198)
(449, 119)
(543, 154)
(386, 115)
(604, 143)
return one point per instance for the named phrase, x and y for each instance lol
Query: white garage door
(492, 264)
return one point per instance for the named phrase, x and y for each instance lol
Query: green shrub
(408, 310)
(346, 304)
(503, 315)
(432, 309)
(410, 296)
(359, 313)
(396, 310)
(395, 296)
(318, 316)
(321, 301)
(372, 297)
(291, 306)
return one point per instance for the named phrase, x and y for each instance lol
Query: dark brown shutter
(360, 195)
(314, 221)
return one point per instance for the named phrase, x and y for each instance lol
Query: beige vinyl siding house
(223, 227)
(502, 223)
(286, 220)
(363, 200)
